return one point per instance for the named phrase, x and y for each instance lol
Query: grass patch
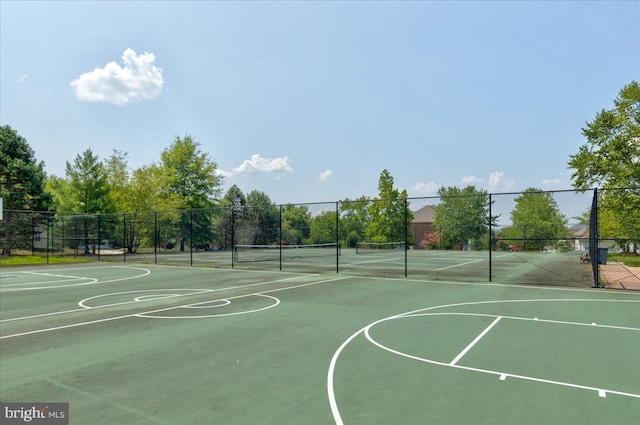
(630, 260)
(24, 260)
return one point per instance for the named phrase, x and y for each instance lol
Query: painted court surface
(147, 344)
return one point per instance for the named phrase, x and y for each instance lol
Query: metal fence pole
(490, 242)
(49, 230)
(593, 239)
(280, 237)
(124, 237)
(406, 240)
(337, 238)
(155, 237)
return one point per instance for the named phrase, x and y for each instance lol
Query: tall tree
(85, 190)
(461, 216)
(611, 158)
(354, 221)
(190, 174)
(136, 194)
(323, 228)
(22, 187)
(192, 179)
(262, 220)
(118, 174)
(389, 213)
(295, 224)
(537, 221)
(233, 210)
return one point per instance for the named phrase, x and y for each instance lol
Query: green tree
(261, 224)
(390, 216)
(192, 181)
(611, 158)
(136, 195)
(22, 187)
(323, 228)
(118, 175)
(85, 190)
(295, 224)
(461, 216)
(537, 221)
(354, 220)
(233, 205)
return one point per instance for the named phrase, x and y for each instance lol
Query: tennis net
(251, 253)
(379, 247)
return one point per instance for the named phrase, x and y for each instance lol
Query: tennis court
(480, 266)
(134, 343)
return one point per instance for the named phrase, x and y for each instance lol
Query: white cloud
(497, 182)
(426, 189)
(138, 79)
(266, 165)
(471, 180)
(23, 78)
(554, 183)
(223, 174)
(325, 176)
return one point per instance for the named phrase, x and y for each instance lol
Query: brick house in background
(422, 223)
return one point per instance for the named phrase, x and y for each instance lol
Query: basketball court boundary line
(333, 404)
(93, 282)
(108, 319)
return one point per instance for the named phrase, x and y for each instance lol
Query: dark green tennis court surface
(545, 268)
(148, 344)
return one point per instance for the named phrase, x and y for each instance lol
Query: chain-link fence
(568, 238)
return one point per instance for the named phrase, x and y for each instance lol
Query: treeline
(185, 188)
(185, 179)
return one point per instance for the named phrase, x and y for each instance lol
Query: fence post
(99, 234)
(593, 239)
(49, 230)
(124, 237)
(280, 238)
(406, 238)
(233, 236)
(337, 238)
(490, 242)
(33, 235)
(155, 237)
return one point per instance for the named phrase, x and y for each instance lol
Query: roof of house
(423, 215)
(579, 230)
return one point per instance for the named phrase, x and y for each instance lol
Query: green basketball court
(133, 343)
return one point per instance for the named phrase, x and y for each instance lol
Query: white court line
(381, 260)
(93, 281)
(44, 282)
(503, 375)
(535, 319)
(458, 265)
(85, 308)
(204, 290)
(108, 319)
(261, 293)
(474, 342)
(333, 403)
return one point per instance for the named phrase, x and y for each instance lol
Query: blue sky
(310, 101)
